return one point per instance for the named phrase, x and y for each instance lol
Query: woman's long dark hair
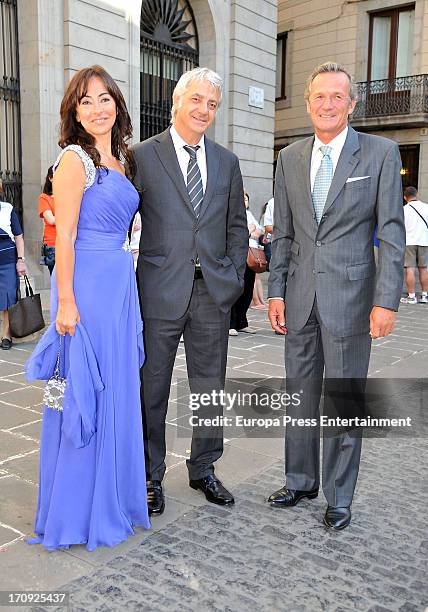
(72, 132)
(47, 187)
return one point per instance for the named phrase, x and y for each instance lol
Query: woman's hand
(21, 268)
(67, 317)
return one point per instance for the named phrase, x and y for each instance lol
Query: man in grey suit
(193, 247)
(330, 192)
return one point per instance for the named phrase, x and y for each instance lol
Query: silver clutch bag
(53, 395)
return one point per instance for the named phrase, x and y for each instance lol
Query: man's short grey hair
(187, 78)
(331, 67)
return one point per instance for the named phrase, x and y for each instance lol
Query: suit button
(314, 271)
(318, 243)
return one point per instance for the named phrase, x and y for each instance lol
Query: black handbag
(26, 317)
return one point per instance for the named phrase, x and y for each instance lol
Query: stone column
(40, 29)
(253, 32)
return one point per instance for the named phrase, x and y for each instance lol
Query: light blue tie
(322, 182)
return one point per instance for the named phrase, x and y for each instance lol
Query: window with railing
(391, 43)
(390, 88)
(388, 97)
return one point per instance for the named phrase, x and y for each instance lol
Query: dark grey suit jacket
(334, 260)
(172, 236)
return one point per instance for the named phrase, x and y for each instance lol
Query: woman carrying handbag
(238, 315)
(12, 263)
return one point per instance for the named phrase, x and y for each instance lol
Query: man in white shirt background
(268, 218)
(416, 222)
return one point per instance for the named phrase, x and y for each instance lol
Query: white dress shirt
(183, 156)
(336, 145)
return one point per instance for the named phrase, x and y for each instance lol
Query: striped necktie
(194, 179)
(322, 182)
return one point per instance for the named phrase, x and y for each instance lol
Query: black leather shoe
(6, 344)
(214, 491)
(337, 518)
(286, 498)
(155, 497)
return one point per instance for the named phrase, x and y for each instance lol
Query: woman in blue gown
(92, 487)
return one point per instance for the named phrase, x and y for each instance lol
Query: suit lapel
(212, 156)
(348, 159)
(168, 157)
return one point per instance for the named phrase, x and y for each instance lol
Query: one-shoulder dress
(92, 487)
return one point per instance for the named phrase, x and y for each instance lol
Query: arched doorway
(169, 46)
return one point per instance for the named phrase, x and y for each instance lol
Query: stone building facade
(384, 44)
(139, 43)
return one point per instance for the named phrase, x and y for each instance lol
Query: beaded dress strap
(89, 165)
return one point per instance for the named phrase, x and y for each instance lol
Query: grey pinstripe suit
(327, 275)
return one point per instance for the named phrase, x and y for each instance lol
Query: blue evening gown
(92, 487)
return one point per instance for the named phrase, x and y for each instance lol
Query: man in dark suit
(330, 192)
(193, 247)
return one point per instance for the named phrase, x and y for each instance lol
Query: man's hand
(276, 315)
(382, 322)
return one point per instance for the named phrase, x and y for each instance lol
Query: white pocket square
(352, 179)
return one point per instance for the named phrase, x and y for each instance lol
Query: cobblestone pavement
(249, 557)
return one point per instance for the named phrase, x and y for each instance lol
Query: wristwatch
(21, 258)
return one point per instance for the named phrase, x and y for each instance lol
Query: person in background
(258, 302)
(12, 263)
(416, 222)
(134, 241)
(376, 246)
(238, 315)
(268, 227)
(47, 213)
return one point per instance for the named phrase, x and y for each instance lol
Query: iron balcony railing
(402, 96)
